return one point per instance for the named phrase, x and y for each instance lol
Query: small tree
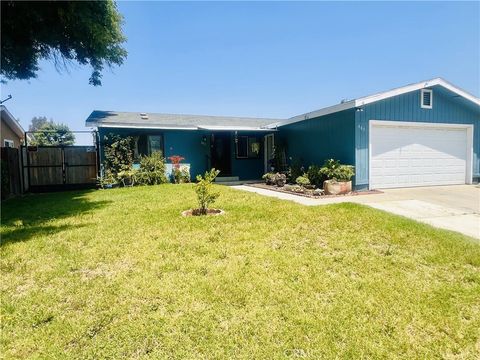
(203, 188)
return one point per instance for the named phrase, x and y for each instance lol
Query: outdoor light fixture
(236, 137)
(204, 140)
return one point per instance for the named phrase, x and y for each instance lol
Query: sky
(269, 59)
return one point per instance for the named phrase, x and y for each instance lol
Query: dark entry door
(221, 153)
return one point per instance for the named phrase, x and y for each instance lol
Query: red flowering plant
(179, 174)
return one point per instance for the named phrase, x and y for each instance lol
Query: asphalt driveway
(455, 207)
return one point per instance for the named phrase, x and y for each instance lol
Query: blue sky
(272, 59)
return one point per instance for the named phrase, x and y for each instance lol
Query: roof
(351, 104)
(11, 122)
(205, 122)
(176, 121)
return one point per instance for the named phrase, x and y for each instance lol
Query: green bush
(315, 176)
(295, 170)
(181, 175)
(302, 180)
(118, 152)
(203, 188)
(333, 170)
(152, 170)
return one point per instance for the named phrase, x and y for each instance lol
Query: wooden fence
(53, 168)
(11, 175)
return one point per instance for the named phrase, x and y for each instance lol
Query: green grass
(120, 274)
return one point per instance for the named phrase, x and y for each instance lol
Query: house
(12, 133)
(423, 134)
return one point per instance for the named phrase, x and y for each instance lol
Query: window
(426, 99)
(155, 144)
(8, 143)
(247, 147)
(148, 144)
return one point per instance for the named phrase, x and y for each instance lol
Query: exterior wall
(447, 108)
(315, 140)
(7, 133)
(188, 143)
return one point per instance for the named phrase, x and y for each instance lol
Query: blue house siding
(188, 144)
(314, 140)
(447, 108)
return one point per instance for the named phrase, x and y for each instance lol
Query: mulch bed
(282, 189)
(196, 212)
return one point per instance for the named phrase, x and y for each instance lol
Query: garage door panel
(403, 156)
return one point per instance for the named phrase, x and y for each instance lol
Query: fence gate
(56, 168)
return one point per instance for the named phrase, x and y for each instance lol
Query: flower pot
(333, 187)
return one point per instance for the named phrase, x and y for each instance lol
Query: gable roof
(176, 121)
(204, 122)
(11, 122)
(380, 96)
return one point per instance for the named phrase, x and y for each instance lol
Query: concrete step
(223, 179)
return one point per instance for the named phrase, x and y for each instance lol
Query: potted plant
(339, 177)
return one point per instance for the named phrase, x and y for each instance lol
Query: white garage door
(403, 156)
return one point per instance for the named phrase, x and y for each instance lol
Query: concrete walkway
(455, 207)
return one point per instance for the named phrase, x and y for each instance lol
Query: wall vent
(426, 99)
(144, 116)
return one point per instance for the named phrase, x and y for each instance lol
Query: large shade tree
(87, 32)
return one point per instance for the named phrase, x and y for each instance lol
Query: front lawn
(120, 274)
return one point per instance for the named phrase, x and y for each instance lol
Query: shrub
(275, 179)
(295, 170)
(127, 177)
(203, 188)
(333, 170)
(302, 180)
(315, 176)
(118, 152)
(152, 170)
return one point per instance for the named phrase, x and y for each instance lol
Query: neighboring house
(12, 133)
(422, 134)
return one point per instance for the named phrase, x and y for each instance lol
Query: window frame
(422, 104)
(248, 142)
(10, 142)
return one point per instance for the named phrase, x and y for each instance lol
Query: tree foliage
(37, 123)
(50, 133)
(203, 188)
(88, 32)
(118, 152)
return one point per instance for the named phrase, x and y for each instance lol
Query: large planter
(333, 187)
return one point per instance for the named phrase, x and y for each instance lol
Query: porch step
(224, 179)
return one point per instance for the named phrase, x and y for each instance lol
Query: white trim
(379, 96)
(199, 127)
(8, 141)
(143, 127)
(422, 92)
(468, 127)
(313, 114)
(231, 128)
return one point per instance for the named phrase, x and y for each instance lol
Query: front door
(221, 153)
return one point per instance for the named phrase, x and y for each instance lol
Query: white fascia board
(413, 87)
(135, 126)
(313, 114)
(379, 96)
(233, 128)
